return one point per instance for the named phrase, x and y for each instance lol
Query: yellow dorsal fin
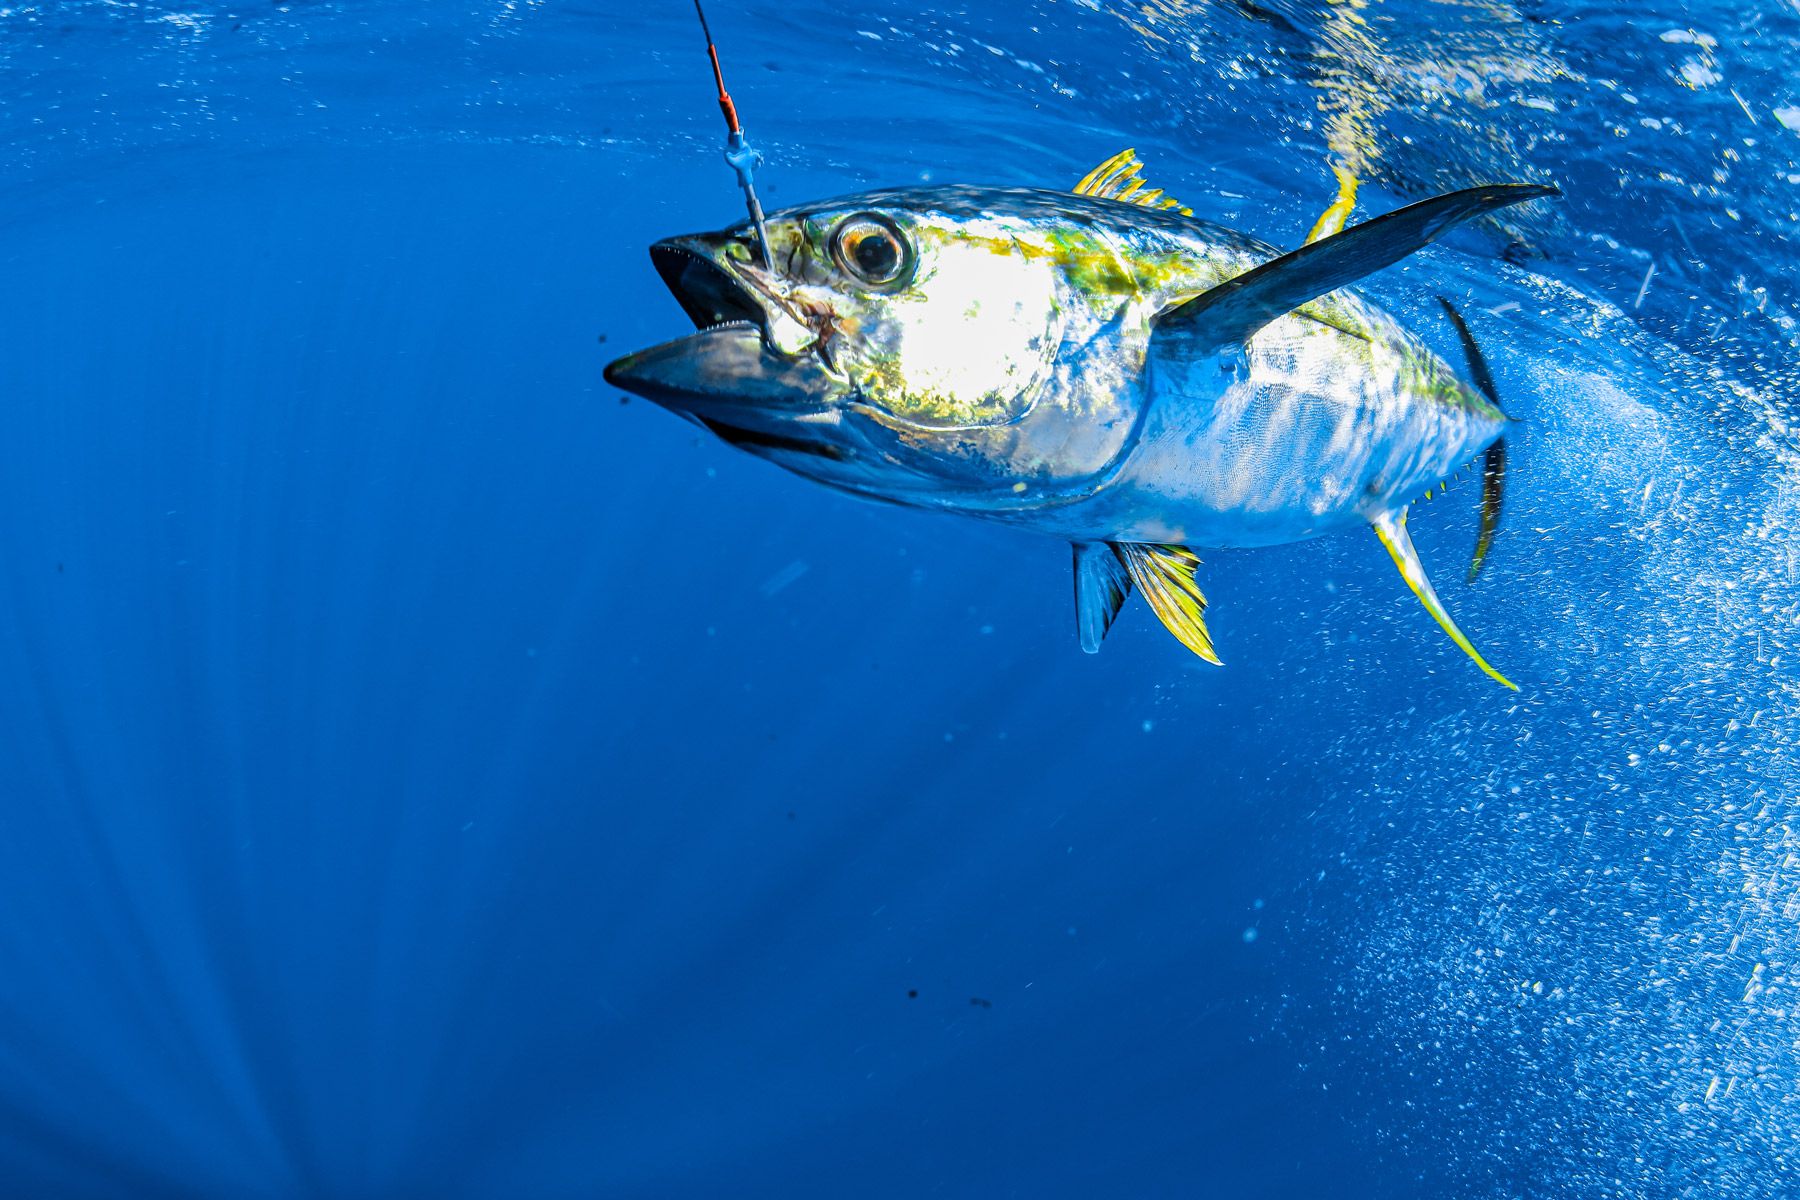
(1118, 179)
(1165, 577)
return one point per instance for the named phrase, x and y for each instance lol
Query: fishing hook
(743, 159)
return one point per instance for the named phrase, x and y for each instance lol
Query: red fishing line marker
(738, 152)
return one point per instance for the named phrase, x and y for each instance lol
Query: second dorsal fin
(1493, 463)
(1119, 178)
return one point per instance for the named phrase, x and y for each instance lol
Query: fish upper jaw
(748, 363)
(715, 279)
(707, 291)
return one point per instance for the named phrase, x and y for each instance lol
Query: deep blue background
(426, 774)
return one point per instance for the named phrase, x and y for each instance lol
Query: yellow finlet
(1391, 528)
(1332, 219)
(1118, 179)
(1165, 576)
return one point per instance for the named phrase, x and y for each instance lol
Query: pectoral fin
(1478, 365)
(1101, 586)
(1231, 313)
(1165, 576)
(1391, 528)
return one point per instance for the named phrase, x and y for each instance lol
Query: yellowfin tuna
(1098, 365)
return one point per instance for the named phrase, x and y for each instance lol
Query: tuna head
(946, 347)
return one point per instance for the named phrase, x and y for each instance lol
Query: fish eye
(872, 249)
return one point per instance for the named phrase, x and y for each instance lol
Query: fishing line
(738, 153)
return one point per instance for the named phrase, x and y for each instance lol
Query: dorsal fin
(1165, 576)
(1493, 464)
(1493, 494)
(1118, 179)
(1332, 220)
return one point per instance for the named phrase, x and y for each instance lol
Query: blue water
(424, 774)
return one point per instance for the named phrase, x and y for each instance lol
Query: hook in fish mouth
(733, 368)
(716, 280)
(710, 294)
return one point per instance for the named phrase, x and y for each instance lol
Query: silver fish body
(1085, 366)
(1318, 425)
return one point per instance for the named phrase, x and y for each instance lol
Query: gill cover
(935, 325)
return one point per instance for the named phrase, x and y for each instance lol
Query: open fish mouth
(726, 370)
(710, 294)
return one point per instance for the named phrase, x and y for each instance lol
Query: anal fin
(1165, 576)
(1391, 528)
(1101, 586)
